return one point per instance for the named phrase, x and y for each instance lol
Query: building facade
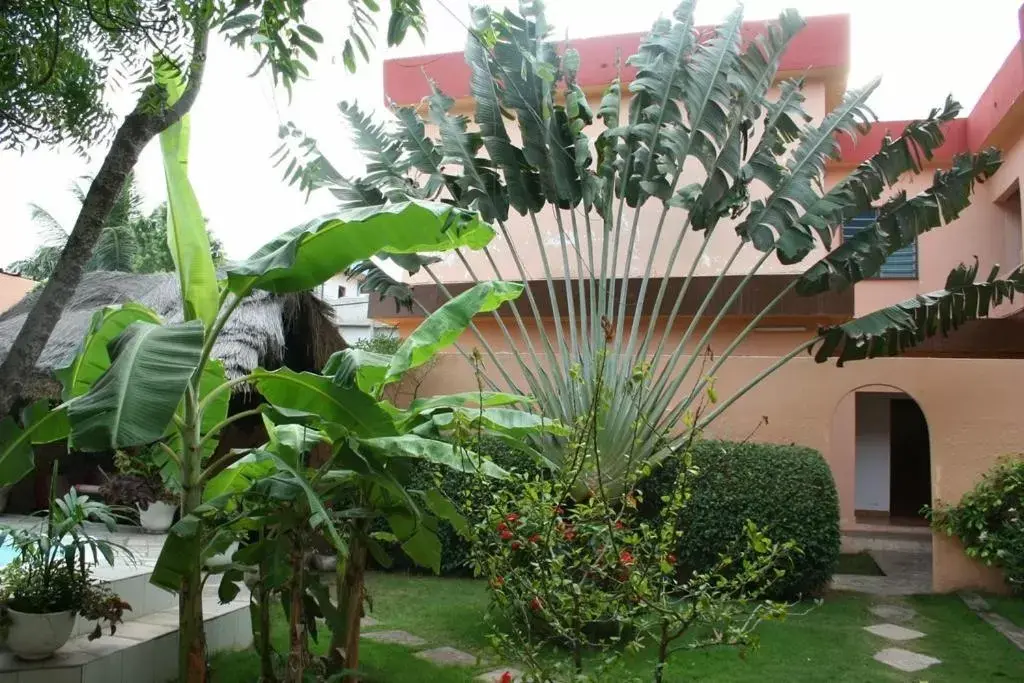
(899, 433)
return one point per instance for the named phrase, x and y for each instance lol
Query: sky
(923, 50)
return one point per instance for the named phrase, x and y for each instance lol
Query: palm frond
(898, 224)
(374, 280)
(893, 330)
(50, 229)
(386, 167)
(115, 249)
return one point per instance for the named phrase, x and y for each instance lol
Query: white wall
(871, 490)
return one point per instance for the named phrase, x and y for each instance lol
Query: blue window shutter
(901, 265)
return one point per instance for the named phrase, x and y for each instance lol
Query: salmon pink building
(899, 433)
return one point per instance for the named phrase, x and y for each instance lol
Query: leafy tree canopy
(56, 56)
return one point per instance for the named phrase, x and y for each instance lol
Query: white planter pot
(38, 636)
(157, 517)
(221, 559)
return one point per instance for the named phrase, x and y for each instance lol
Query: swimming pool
(7, 554)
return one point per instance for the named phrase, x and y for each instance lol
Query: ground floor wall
(970, 407)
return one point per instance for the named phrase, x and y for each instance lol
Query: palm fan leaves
(571, 210)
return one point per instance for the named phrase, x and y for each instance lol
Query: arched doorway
(892, 457)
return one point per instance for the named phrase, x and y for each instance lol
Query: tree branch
(138, 128)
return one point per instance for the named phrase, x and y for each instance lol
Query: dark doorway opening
(910, 482)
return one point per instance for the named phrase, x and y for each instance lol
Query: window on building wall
(902, 265)
(341, 291)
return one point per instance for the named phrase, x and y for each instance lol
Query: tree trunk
(261, 623)
(659, 667)
(298, 640)
(137, 129)
(192, 636)
(350, 603)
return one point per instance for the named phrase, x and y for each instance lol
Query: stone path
(980, 606)
(906, 573)
(898, 657)
(439, 656)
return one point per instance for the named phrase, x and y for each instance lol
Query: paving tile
(104, 670)
(893, 612)
(905, 660)
(495, 676)
(71, 675)
(105, 646)
(61, 659)
(893, 632)
(137, 630)
(163, 617)
(447, 656)
(395, 637)
(368, 622)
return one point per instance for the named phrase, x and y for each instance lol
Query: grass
(858, 563)
(826, 643)
(1008, 606)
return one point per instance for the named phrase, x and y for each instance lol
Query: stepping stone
(905, 660)
(447, 656)
(395, 638)
(368, 622)
(893, 632)
(975, 602)
(495, 676)
(893, 612)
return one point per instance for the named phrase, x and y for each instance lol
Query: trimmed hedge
(788, 491)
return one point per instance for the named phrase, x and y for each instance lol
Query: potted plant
(50, 583)
(140, 485)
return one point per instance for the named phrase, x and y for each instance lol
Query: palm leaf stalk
(699, 96)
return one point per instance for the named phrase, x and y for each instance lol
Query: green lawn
(858, 563)
(1011, 607)
(826, 643)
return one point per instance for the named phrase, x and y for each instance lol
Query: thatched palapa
(295, 330)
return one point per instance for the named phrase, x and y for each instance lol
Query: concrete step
(896, 538)
(143, 650)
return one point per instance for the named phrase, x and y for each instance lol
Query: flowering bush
(989, 520)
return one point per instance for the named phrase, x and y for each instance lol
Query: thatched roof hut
(296, 330)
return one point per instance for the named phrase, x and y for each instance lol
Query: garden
(585, 523)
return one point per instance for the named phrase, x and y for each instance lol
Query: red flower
(536, 605)
(671, 559)
(516, 545)
(534, 539)
(619, 525)
(626, 558)
(506, 534)
(569, 533)
(506, 677)
(512, 518)
(502, 526)
(498, 581)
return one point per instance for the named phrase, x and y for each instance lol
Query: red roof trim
(823, 44)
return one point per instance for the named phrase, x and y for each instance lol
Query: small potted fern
(50, 584)
(139, 484)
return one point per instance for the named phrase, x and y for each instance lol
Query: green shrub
(989, 520)
(455, 550)
(787, 491)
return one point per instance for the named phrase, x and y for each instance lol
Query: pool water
(7, 554)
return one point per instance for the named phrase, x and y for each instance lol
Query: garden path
(898, 657)
(439, 656)
(980, 606)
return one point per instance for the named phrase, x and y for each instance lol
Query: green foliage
(130, 241)
(696, 101)
(787, 491)
(52, 571)
(57, 58)
(989, 520)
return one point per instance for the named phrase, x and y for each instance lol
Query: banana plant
(138, 379)
(755, 167)
(374, 448)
